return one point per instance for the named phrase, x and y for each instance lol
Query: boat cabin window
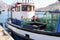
(17, 8)
(26, 8)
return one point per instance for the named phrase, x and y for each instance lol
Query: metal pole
(46, 17)
(28, 1)
(22, 0)
(8, 12)
(25, 0)
(17, 0)
(4, 26)
(11, 13)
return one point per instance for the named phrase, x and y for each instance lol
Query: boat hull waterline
(32, 35)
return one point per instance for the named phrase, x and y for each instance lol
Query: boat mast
(28, 1)
(17, 0)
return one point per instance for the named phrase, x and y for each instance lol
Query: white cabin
(23, 9)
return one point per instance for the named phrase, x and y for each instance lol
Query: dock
(4, 34)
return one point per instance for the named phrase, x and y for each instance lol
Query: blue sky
(38, 3)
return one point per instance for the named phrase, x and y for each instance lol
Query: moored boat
(31, 30)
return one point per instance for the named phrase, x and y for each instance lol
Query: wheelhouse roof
(17, 3)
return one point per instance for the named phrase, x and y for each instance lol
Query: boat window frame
(27, 6)
(17, 8)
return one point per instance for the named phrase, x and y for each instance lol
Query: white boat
(27, 31)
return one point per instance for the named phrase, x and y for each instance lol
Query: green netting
(41, 19)
(24, 21)
(50, 22)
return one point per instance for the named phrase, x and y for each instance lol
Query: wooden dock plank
(4, 35)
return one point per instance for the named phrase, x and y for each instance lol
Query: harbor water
(3, 20)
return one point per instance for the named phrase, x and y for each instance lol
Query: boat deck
(4, 35)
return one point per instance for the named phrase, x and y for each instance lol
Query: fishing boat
(30, 30)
